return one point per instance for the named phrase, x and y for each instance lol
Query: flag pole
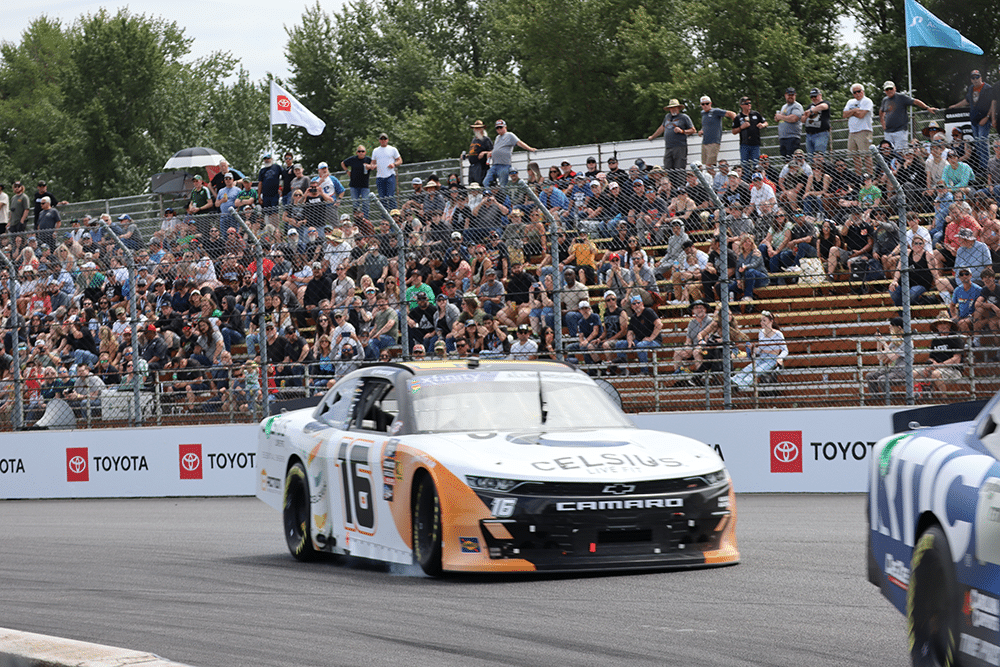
(909, 84)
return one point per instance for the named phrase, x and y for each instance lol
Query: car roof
(437, 367)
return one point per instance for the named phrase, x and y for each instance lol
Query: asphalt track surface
(210, 583)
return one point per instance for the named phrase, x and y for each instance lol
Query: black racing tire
(296, 514)
(427, 526)
(932, 602)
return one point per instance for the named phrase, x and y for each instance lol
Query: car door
(361, 516)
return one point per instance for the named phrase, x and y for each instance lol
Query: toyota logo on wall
(786, 451)
(190, 461)
(76, 465)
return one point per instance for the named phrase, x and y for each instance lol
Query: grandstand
(832, 321)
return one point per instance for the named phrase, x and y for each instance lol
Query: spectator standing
(711, 130)
(982, 112)
(386, 159)
(43, 191)
(47, 222)
(789, 119)
(892, 115)
(675, 128)
(501, 154)
(287, 176)
(817, 122)
(858, 112)
(748, 124)
(4, 209)
(225, 199)
(269, 179)
(360, 166)
(20, 206)
(478, 149)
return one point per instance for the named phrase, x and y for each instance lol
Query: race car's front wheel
(296, 514)
(427, 526)
(932, 602)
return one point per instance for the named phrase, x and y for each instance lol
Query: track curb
(27, 649)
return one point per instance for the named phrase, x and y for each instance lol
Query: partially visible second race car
(498, 467)
(934, 537)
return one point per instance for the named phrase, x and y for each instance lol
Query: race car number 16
(503, 507)
(356, 481)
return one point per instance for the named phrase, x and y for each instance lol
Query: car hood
(585, 455)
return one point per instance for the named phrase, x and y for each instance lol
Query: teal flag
(925, 29)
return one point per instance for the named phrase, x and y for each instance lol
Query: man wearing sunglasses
(858, 112)
(711, 130)
(360, 166)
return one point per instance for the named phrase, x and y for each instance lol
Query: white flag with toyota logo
(286, 110)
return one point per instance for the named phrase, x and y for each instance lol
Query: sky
(258, 42)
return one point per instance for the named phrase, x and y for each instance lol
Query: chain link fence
(777, 284)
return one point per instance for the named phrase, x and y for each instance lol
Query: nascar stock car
(502, 466)
(934, 537)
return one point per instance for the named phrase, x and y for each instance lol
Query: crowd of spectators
(465, 269)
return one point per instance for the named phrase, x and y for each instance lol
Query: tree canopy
(560, 72)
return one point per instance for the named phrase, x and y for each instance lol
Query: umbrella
(171, 182)
(193, 157)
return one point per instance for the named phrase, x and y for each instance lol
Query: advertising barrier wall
(794, 451)
(118, 463)
(791, 451)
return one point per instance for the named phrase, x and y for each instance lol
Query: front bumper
(634, 531)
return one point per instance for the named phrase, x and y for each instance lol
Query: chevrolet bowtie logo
(618, 489)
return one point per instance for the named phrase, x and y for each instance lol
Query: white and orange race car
(501, 466)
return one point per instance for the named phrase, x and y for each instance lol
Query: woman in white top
(769, 353)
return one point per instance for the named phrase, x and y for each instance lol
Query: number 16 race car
(934, 537)
(500, 467)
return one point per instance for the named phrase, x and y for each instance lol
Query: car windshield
(511, 401)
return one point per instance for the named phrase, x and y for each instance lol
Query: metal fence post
(904, 273)
(727, 364)
(404, 329)
(261, 323)
(18, 416)
(134, 317)
(557, 277)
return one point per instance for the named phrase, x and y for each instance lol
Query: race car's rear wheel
(427, 526)
(932, 602)
(296, 514)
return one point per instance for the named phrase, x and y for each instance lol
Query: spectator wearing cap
(331, 189)
(817, 123)
(763, 201)
(43, 191)
(523, 348)
(386, 160)
(643, 332)
(789, 119)
(957, 175)
(970, 253)
(415, 287)
(687, 277)
(858, 112)
(675, 129)
(294, 351)
(592, 168)
(491, 292)
(572, 295)
(479, 147)
(566, 171)
(152, 347)
(225, 200)
(711, 130)
(588, 335)
(963, 300)
(748, 124)
(892, 115)
(501, 155)
(446, 316)
(987, 315)
(616, 276)
(47, 221)
(982, 113)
